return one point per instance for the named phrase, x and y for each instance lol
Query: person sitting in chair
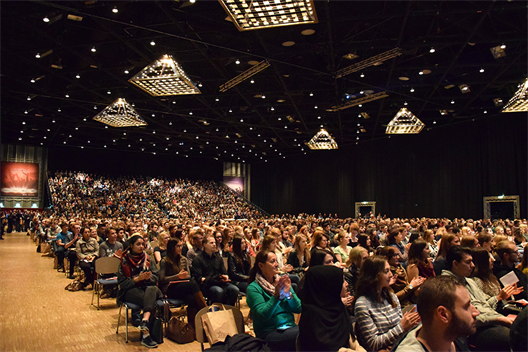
(137, 278)
(210, 273)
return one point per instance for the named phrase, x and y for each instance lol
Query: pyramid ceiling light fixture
(322, 141)
(258, 14)
(359, 101)
(372, 61)
(164, 77)
(245, 75)
(405, 122)
(120, 114)
(519, 101)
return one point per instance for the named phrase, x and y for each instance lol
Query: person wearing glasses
(509, 257)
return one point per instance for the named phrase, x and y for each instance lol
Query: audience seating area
(153, 206)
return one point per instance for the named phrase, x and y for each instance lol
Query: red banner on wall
(19, 179)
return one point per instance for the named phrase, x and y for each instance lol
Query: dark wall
(442, 172)
(107, 162)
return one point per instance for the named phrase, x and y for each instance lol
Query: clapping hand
(348, 299)
(410, 319)
(145, 275)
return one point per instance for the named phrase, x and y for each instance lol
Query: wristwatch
(410, 287)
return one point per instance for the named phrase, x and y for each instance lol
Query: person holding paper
(492, 328)
(87, 250)
(175, 281)
(509, 255)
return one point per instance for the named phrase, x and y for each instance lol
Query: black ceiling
(207, 47)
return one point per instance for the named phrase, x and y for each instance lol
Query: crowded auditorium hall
(264, 175)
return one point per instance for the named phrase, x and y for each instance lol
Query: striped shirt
(378, 323)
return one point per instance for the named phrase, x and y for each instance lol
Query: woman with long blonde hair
(300, 255)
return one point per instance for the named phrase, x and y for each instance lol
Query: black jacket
(208, 267)
(500, 270)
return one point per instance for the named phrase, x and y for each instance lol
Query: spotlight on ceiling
(498, 102)
(359, 101)
(374, 60)
(245, 75)
(498, 51)
(464, 88)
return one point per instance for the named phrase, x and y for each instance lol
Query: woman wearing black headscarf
(325, 324)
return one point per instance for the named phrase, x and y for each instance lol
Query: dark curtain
(444, 172)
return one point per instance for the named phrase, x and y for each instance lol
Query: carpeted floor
(38, 314)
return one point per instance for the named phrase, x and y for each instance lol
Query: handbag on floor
(75, 285)
(180, 331)
(157, 331)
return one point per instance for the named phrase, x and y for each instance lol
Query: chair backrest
(200, 335)
(225, 263)
(154, 244)
(252, 261)
(107, 265)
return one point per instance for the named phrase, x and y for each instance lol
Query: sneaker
(71, 277)
(149, 343)
(143, 325)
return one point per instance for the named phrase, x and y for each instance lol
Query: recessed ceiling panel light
(405, 122)
(519, 101)
(403, 78)
(258, 14)
(120, 114)
(164, 77)
(308, 32)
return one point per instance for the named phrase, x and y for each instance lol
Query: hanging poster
(19, 179)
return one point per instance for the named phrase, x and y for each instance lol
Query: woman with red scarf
(137, 278)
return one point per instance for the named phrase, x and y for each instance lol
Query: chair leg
(119, 318)
(93, 293)
(126, 323)
(98, 295)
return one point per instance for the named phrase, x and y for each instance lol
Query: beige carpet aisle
(38, 314)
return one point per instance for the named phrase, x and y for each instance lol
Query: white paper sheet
(509, 279)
